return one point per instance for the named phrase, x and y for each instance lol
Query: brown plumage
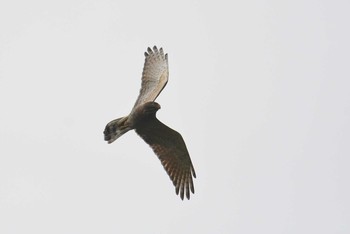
(166, 143)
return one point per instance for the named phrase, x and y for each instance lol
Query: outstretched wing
(154, 76)
(171, 149)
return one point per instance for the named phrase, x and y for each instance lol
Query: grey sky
(258, 89)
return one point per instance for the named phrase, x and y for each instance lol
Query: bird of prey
(166, 143)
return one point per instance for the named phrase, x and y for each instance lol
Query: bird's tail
(116, 128)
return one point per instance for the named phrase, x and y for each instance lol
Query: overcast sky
(258, 89)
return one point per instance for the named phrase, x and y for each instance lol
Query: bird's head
(143, 112)
(150, 108)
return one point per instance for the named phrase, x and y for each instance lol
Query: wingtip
(155, 50)
(193, 171)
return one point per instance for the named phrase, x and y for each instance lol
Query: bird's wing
(154, 76)
(171, 149)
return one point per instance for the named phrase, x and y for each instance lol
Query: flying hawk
(166, 143)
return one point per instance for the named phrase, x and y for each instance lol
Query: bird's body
(167, 144)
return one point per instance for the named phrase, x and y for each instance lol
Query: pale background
(258, 89)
